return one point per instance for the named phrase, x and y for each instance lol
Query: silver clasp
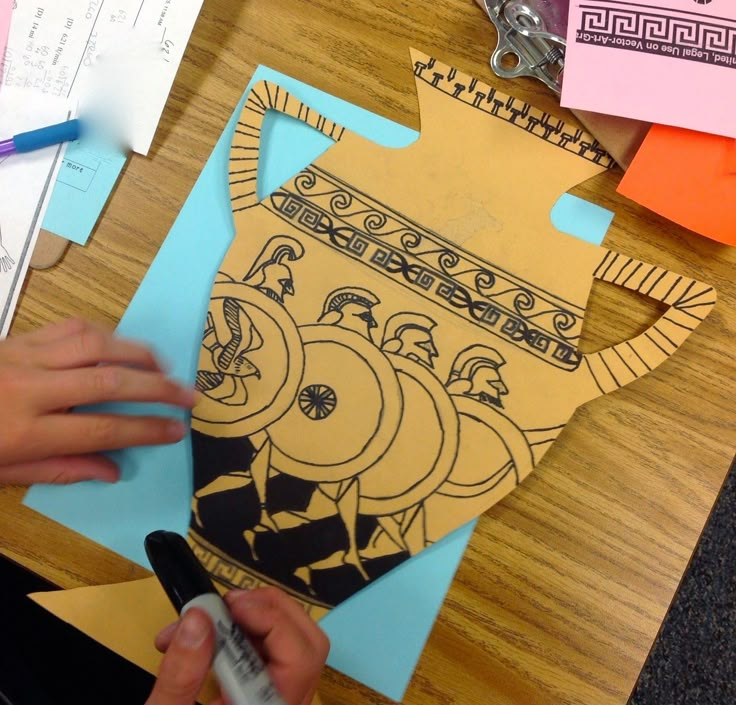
(523, 36)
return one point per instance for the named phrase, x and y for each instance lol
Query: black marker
(241, 672)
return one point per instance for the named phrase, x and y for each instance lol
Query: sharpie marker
(38, 139)
(241, 672)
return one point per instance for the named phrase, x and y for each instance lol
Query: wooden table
(567, 580)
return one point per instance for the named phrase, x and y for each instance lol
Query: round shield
(492, 448)
(346, 412)
(250, 362)
(423, 452)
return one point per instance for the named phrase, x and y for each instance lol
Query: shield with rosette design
(255, 387)
(347, 410)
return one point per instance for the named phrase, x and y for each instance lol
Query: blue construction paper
(86, 179)
(583, 219)
(377, 635)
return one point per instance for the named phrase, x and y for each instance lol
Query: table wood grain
(566, 581)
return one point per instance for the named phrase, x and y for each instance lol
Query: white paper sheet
(54, 45)
(26, 181)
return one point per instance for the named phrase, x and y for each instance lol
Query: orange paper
(688, 177)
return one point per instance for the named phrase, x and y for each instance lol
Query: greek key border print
(653, 30)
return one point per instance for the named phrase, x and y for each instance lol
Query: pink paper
(665, 61)
(6, 8)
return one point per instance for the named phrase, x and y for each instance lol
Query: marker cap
(181, 575)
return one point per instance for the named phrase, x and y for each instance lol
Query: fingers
(92, 385)
(294, 647)
(64, 471)
(69, 364)
(258, 608)
(55, 331)
(68, 348)
(78, 434)
(186, 663)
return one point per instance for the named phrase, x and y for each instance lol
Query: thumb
(186, 663)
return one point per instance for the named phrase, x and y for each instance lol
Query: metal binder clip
(523, 36)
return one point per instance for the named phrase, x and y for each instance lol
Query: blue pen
(38, 139)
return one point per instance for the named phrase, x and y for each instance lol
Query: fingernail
(193, 630)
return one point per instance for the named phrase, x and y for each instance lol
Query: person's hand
(46, 373)
(293, 647)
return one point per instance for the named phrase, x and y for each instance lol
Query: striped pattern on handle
(246, 146)
(690, 302)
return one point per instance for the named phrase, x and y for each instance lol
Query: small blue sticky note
(86, 179)
(378, 634)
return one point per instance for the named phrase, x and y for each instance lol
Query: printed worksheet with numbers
(53, 46)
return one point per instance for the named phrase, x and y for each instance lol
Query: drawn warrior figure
(409, 346)
(230, 337)
(351, 308)
(230, 334)
(476, 373)
(410, 335)
(269, 274)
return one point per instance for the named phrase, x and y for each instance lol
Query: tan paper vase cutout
(391, 343)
